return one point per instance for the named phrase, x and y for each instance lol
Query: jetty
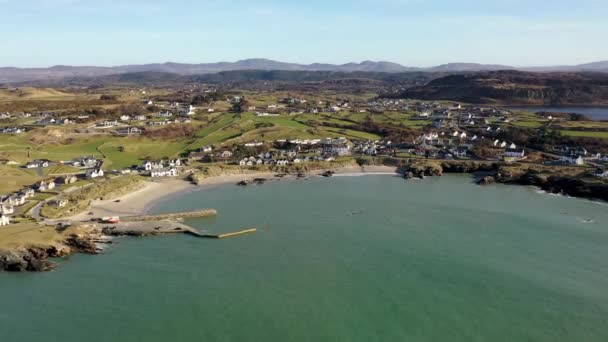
(172, 216)
(223, 236)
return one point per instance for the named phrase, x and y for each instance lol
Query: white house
(4, 220)
(7, 209)
(149, 166)
(164, 114)
(575, 161)
(514, 153)
(175, 163)
(94, 173)
(602, 174)
(109, 123)
(36, 164)
(59, 203)
(169, 172)
(13, 200)
(338, 146)
(42, 186)
(188, 109)
(226, 154)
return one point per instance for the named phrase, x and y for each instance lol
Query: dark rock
(328, 173)
(242, 183)
(82, 244)
(487, 180)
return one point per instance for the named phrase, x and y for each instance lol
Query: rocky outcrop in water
(559, 180)
(576, 186)
(433, 168)
(487, 180)
(36, 258)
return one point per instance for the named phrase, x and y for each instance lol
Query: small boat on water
(113, 219)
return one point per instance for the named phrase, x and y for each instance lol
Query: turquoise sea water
(371, 258)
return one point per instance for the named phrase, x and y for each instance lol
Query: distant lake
(595, 113)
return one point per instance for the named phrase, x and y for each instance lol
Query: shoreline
(142, 201)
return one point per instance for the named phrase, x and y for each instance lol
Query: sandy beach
(140, 202)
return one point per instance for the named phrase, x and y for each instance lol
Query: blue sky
(411, 32)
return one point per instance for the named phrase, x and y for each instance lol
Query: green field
(589, 134)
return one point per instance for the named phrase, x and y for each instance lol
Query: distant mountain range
(15, 75)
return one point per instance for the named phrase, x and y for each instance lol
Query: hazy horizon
(44, 33)
(291, 62)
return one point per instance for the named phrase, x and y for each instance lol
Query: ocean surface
(371, 258)
(595, 113)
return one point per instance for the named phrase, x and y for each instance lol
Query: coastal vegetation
(79, 200)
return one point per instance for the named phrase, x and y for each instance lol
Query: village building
(514, 154)
(94, 173)
(167, 172)
(226, 154)
(59, 203)
(108, 123)
(84, 162)
(339, 147)
(188, 110)
(129, 131)
(42, 186)
(27, 193)
(70, 179)
(602, 173)
(7, 209)
(149, 166)
(4, 220)
(164, 114)
(38, 163)
(574, 161)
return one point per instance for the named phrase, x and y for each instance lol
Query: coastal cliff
(568, 181)
(33, 254)
(571, 181)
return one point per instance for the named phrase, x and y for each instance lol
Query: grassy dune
(79, 201)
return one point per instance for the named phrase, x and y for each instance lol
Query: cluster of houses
(281, 152)
(281, 158)
(374, 148)
(167, 121)
(161, 169)
(12, 130)
(51, 121)
(8, 203)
